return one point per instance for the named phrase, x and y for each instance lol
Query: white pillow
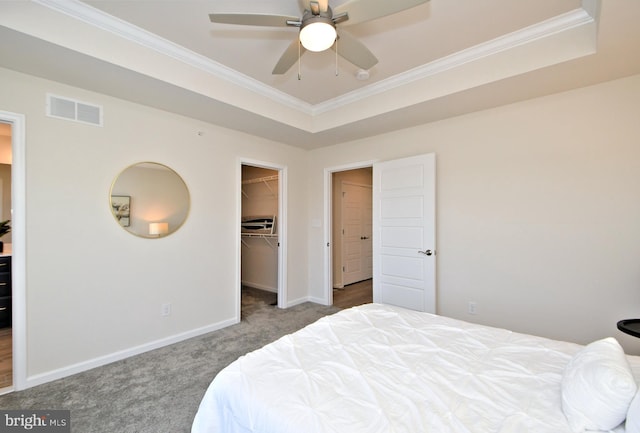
(597, 387)
(633, 415)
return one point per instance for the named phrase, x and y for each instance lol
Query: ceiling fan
(318, 27)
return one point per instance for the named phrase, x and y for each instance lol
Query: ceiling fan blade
(268, 20)
(288, 58)
(366, 10)
(354, 51)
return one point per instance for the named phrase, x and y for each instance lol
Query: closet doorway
(261, 236)
(352, 252)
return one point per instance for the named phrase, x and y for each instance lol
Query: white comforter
(378, 368)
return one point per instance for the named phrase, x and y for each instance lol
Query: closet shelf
(265, 180)
(267, 238)
(260, 179)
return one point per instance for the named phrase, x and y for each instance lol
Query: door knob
(426, 252)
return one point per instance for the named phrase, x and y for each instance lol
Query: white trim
(18, 236)
(302, 301)
(592, 7)
(282, 229)
(315, 300)
(238, 244)
(328, 225)
(552, 26)
(49, 376)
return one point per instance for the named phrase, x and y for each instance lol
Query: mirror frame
(171, 230)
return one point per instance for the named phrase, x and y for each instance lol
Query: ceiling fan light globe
(318, 36)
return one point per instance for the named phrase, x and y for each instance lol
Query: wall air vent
(71, 109)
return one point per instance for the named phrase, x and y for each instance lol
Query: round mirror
(149, 200)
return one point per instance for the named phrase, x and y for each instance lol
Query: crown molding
(552, 26)
(587, 14)
(97, 18)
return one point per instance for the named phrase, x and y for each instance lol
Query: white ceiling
(440, 59)
(401, 42)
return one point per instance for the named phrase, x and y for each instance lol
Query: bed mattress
(378, 368)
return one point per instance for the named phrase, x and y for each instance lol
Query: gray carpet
(159, 391)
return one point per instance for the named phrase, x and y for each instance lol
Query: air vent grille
(71, 109)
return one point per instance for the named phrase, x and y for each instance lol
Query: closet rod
(260, 179)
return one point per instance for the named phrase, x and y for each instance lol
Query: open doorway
(403, 223)
(6, 340)
(261, 226)
(351, 233)
(16, 123)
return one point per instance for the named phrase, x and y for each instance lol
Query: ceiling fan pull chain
(299, 55)
(337, 55)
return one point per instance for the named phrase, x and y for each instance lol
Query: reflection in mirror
(149, 200)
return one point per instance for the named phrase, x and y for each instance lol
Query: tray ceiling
(440, 59)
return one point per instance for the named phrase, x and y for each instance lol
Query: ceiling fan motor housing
(318, 31)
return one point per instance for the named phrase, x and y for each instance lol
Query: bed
(379, 368)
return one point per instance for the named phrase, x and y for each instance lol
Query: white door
(404, 233)
(356, 233)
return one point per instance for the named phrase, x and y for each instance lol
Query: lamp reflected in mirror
(158, 229)
(149, 200)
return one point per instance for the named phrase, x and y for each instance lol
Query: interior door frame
(281, 229)
(18, 239)
(328, 223)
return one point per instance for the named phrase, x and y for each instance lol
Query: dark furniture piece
(630, 326)
(5, 291)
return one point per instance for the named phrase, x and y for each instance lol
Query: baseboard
(321, 301)
(297, 302)
(60, 373)
(259, 286)
(313, 299)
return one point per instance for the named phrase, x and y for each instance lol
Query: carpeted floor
(159, 391)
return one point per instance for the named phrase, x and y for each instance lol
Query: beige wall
(538, 210)
(94, 291)
(538, 216)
